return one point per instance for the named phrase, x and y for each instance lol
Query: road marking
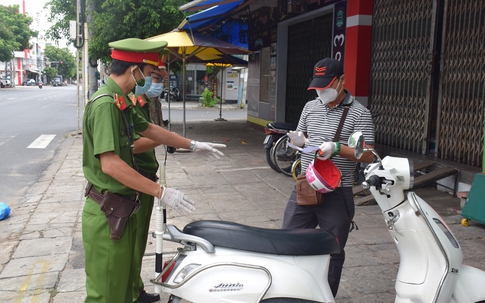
(25, 285)
(42, 141)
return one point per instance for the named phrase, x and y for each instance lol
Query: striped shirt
(320, 123)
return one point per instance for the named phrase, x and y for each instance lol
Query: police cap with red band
(136, 50)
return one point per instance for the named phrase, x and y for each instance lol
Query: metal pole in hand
(160, 222)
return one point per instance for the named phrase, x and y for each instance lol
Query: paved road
(27, 114)
(195, 113)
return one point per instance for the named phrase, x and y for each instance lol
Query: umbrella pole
(167, 96)
(220, 102)
(183, 91)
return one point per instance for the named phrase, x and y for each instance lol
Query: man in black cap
(109, 124)
(318, 126)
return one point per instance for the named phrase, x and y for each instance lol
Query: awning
(198, 5)
(232, 31)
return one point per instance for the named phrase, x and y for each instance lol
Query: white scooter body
(430, 267)
(233, 276)
(207, 273)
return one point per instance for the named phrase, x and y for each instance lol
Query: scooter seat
(283, 125)
(294, 242)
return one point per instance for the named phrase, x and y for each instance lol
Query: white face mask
(328, 95)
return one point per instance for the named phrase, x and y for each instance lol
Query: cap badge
(320, 71)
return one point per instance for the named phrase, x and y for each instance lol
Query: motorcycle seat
(294, 242)
(283, 125)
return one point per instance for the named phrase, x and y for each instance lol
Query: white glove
(177, 200)
(209, 149)
(297, 138)
(327, 149)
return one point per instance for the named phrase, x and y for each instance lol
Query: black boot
(145, 297)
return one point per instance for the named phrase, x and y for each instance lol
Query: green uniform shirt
(147, 162)
(104, 131)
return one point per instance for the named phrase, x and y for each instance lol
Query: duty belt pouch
(117, 210)
(305, 194)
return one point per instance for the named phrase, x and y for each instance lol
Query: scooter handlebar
(371, 181)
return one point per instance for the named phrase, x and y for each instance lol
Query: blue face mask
(155, 90)
(140, 90)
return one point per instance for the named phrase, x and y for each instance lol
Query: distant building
(29, 64)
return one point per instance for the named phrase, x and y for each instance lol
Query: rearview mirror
(356, 141)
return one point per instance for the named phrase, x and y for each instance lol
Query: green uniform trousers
(109, 264)
(143, 223)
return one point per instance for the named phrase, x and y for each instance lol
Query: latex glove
(327, 149)
(176, 200)
(209, 149)
(297, 138)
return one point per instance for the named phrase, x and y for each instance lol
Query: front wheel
(283, 156)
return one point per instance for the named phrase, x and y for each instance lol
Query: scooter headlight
(400, 169)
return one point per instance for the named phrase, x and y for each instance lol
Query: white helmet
(323, 176)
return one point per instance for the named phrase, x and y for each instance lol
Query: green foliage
(60, 12)
(50, 72)
(66, 63)
(208, 98)
(111, 20)
(14, 31)
(118, 19)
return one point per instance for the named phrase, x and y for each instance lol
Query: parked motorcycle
(229, 262)
(431, 268)
(40, 84)
(274, 131)
(171, 95)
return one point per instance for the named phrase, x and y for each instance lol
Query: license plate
(266, 139)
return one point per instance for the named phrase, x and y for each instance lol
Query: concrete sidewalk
(41, 252)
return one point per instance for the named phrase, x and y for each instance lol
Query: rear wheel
(269, 159)
(284, 156)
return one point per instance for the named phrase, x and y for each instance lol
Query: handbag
(305, 194)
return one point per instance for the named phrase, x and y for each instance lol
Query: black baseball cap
(325, 72)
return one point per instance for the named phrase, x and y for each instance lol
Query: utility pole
(78, 33)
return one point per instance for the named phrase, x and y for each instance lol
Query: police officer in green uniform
(109, 123)
(148, 167)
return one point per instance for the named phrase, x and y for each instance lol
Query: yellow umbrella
(193, 47)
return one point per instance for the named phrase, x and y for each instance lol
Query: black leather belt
(98, 197)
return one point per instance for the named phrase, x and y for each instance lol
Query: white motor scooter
(430, 268)
(228, 262)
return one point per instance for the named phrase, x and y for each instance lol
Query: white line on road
(42, 141)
